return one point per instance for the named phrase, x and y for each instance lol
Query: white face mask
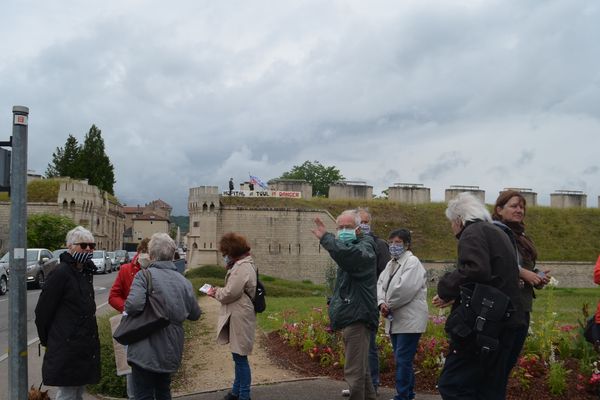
(144, 260)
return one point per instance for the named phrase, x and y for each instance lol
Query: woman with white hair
(475, 369)
(65, 317)
(154, 358)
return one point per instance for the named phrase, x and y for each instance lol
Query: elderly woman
(65, 317)
(237, 320)
(510, 210)
(156, 357)
(402, 300)
(486, 256)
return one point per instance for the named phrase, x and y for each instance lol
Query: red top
(120, 289)
(597, 282)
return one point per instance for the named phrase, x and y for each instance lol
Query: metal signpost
(17, 247)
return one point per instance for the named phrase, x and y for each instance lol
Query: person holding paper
(237, 320)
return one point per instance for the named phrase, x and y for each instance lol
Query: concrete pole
(17, 343)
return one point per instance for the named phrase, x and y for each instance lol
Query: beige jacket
(237, 320)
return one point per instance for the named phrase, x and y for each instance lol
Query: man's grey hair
(79, 235)
(466, 207)
(161, 247)
(365, 210)
(353, 213)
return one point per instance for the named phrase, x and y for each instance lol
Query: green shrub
(557, 378)
(110, 384)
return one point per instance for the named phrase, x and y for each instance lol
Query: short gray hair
(365, 210)
(466, 207)
(353, 213)
(79, 235)
(161, 247)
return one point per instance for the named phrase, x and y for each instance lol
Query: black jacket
(382, 252)
(485, 255)
(65, 316)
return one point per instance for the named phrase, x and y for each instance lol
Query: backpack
(259, 301)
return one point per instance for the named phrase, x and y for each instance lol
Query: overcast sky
(188, 93)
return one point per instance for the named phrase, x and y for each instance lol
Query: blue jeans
(374, 360)
(150, 385)
(405, 347)
(243, 377)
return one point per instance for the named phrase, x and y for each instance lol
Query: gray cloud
(444, 164)
(442, 93)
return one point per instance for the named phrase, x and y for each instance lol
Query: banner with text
(263, 193)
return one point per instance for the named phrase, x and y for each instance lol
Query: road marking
(37, 339)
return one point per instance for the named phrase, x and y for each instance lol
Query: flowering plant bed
(556, 361)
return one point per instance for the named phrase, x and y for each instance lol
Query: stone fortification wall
(281, 240)
(409, 194)
(568, 274)
(85, 205)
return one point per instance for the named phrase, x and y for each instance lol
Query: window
(196, 224)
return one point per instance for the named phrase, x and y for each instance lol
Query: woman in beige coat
(237, 320)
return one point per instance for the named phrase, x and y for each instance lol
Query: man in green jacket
(353, 306)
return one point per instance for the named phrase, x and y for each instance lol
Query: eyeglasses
(85, 245)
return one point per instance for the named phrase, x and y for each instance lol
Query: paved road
(102, 285)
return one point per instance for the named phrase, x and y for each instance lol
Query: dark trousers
(374, 359)
(469, 376)
(150, 385)
(520, 337)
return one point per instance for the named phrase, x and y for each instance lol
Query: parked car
(131, 255)
(102, 261)
(52, 263)
(34, 273)
(4, 274)
(122, 257)
(113, 260)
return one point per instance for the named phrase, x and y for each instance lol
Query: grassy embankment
(567, 234)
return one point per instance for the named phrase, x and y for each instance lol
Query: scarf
(524, 243)
(232, 261)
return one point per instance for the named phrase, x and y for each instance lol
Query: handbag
(480, 317)
(153, 317)
(591, 331)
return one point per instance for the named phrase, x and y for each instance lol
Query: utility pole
(17, 247)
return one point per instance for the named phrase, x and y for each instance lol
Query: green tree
(94, 163)
(66, 161)
(48, 230)
(317, 174)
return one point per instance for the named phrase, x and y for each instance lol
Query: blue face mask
(365, 228)
(396, 250)
(346, 235)
(226, 260)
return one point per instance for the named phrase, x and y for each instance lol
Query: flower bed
(556, 361)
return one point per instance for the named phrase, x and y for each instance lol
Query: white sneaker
(346, 392)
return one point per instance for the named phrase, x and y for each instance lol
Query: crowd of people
(490, 290)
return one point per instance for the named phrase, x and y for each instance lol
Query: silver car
(4, 274)
(102, 262)
(36, 258)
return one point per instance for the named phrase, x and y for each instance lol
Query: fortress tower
(204, 208)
